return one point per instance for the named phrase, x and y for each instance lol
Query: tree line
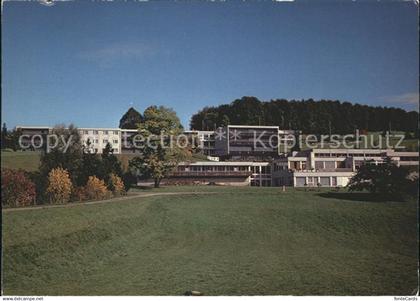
(309, 116)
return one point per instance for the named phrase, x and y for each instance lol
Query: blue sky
(88, 62)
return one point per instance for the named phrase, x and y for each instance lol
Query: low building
(221, 173)
(332, 167)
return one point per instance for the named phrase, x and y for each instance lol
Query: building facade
(332, 167)
(243, 142)
(242, 160)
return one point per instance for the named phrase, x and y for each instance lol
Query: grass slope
(28, 161)
(240, 241)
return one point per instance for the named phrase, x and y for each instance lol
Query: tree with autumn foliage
(16, 188)
(59, 186)
(96, 189)
(159, 154)
(116, 185)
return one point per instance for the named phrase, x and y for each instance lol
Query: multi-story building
(127, 141)
(35, 137)
(247, 142)
(204, 140)
(97, 138)
(251, 162)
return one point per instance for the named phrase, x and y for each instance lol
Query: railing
(211, 173)
(323, 170)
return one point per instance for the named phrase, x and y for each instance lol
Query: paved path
(123, 198)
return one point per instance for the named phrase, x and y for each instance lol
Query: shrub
(116, 185)
(79, 194)
(59, 186)
(16, 189)
(95, 189)
(41, 183)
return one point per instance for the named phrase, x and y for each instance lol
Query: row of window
(115, 150)
(342, 155)
(104, 141)
(212, 168)
(316, 181)
(96, 132)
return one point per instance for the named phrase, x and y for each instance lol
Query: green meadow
(219, 241)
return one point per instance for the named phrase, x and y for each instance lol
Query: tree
(111, 164)
(131, 119)
(313, 117)
(59, 186)
(69, 158)
(116, 185)
(384, 178)
(16, 188)
(4, 134)
(92, 165)
(160, 154)
(95, 189)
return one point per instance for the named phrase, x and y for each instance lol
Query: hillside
(235, 241)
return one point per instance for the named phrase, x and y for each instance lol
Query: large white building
(314, 167)
(95, 138)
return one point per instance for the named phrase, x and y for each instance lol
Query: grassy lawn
(30, 161)
(20, 160)
(238, 241)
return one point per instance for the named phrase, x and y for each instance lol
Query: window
(330, 164)
(325, 181)
(341, 164)
(115, 141)
(95, 132)
(115, 132)
(334, 181)
(300, 181)
(96, 141)
(105, 141)
(106, 132)
(319, 164)
(86, 132)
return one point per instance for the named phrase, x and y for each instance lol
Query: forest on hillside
(309, 116)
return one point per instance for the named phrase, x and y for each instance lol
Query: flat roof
(223, 163)
(33, 127)
(99, 129)
(254, 126)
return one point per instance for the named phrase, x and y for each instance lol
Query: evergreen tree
(131, 119)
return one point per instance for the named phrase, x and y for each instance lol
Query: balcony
(322, 170)
(204, 174)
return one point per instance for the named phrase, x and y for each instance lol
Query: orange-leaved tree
(59, 186)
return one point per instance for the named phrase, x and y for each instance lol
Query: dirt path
(129, 197)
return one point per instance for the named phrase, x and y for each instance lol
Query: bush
(95, 189)
(79, 194)
(59, 186)
(116, 185)
(16, 189)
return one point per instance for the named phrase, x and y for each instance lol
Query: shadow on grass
(362, 196)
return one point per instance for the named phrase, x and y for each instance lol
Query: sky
(87, 62)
